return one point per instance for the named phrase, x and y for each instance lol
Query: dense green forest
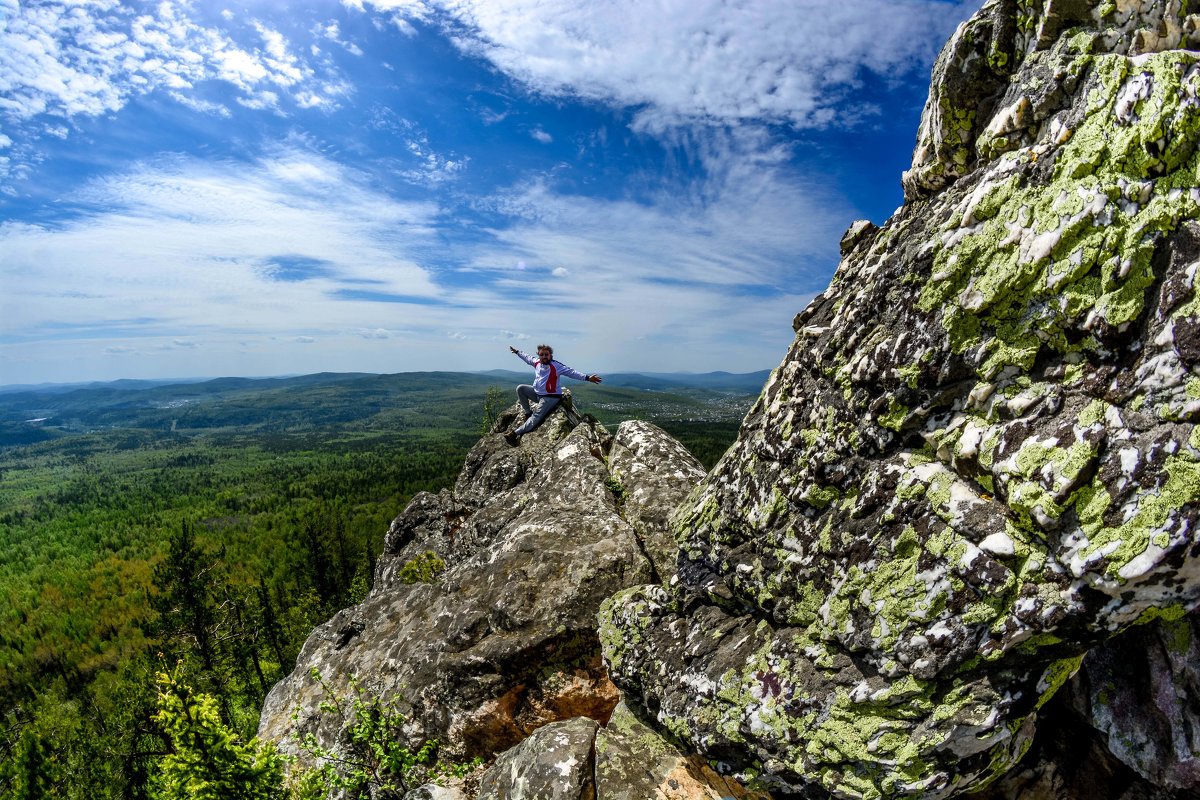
(204, 529)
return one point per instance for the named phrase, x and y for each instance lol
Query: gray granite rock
(635, 762)
(433, 792)
(557, 762)
(504, 639)
(1142, 692)
(652, 473)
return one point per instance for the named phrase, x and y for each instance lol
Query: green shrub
(423, 569)
(617, 489)
(378, 762)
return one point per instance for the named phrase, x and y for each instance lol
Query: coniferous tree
(185, 601)
(316, 556)
(207, 761)
(271, 628)
(34, 779)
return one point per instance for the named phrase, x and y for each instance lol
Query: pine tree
(207, 761)
(185, 600)
(34, 766)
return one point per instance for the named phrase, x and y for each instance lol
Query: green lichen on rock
(980, 455)
(1148, 529)
(999, 273)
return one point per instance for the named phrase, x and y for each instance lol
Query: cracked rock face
(980, 457)
(635, 762)
(503, 640)
(623, 760)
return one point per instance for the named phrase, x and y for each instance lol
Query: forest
(203, 530)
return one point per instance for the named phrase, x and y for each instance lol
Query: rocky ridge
(979, 460)
(500, 649)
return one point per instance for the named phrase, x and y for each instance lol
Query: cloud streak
(198, 245)
(698, 61)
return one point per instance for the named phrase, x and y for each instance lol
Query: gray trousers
(546, 404)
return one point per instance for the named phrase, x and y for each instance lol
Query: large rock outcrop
(980, 459)
(504, 640)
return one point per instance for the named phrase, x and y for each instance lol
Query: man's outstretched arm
(528, 359)
(576, 374)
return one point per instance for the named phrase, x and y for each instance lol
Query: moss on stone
(1122, 544)
(992, 284)
(895, 416)
(819, 496)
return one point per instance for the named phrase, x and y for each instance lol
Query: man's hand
(514, 350)
(593, 378)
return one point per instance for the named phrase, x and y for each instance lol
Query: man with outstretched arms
(545, 389)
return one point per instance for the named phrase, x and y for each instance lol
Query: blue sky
(196, 189)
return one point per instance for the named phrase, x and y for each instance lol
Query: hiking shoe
(512, 438)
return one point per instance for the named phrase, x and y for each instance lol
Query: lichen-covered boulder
(980, 457)
(556, 763)
(1007, 71)
(481, 624)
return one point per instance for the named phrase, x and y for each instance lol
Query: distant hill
(62, 388)
(325, 400)
(716, 381)
(740, 383)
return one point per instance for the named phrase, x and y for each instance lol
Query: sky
(196, 189)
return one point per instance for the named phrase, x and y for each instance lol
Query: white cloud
(378, 333)
(260, 101)
(432, 167)
(90, 57)
(201, 106)
(332, 31)
(685, 61)
(541, 136)
(491, 117)
(304, 340)
(399, 12)
(231, 254)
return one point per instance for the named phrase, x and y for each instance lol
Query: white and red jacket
(545, 376)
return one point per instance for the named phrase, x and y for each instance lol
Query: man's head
(545, 353)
